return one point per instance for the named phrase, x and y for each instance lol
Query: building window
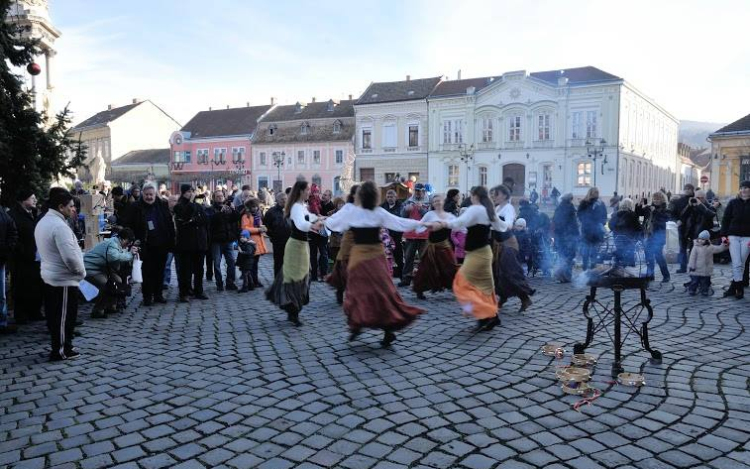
(301, 157)
(178, 157)
(543, 127)
(487, 130)
(262, 157)
(304, 129)
(591, 124)
(220, 155)
(316, 156)
(515, 129)
(413, 136)
(272, 130)
(339, 156)
(238, 154)
(576, 125)
(453, 175)
(447, 134)
(583, 174)
(483, 176)
(367, 138)
(389, 136)
(337, 127)
(337, 185)
(316, 180)
(389, 178)
(366, 174)
(458, 131)
(263, 182)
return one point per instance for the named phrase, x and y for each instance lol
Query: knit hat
(185, 187)
(520, 222)
(704, 235)
(699, 194)
(245, 234)
(745, 184)
(24, 194)
(118, 191)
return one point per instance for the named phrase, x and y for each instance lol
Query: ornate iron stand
(617, 316)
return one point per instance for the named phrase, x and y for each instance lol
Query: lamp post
(467, 156)
(594, 151)
(278, 161)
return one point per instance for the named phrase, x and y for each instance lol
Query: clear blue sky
(187, 55)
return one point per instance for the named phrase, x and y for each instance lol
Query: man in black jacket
(25, 267)
(278, 231)
(191, 244)
(223, 226)
(679, 214)
(8, 240)
(567, 236)
(393, 206)
(152, 224)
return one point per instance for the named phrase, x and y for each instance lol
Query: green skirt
(291, 287)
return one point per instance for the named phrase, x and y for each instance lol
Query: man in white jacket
(62, 270)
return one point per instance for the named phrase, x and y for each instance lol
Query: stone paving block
(157, 462)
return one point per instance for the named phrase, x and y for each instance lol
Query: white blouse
(432, 216)
(507, 212)
(298, 214)
(358, 217)
(477, 215)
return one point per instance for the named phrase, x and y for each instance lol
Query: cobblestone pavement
(228, 383)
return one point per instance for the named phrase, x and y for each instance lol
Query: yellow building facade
(730, 163)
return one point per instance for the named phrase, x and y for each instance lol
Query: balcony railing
(577, 142)
(449, 146)
(486, 145)
(365, 150)
(544, 143)
(418, 148)
(389, 150)
(514, 144)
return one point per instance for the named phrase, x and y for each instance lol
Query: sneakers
(69, 355)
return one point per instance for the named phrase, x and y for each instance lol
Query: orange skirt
(473, 285)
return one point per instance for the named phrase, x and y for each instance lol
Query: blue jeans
(655, 253)
(168, 269)
(227, 250)
(589, 253)
(3, 304)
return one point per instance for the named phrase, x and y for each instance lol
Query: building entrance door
(518, 173)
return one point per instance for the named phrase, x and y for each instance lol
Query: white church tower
(33, 19)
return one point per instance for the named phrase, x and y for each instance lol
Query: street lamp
(278, 161)
(467, 156)
(594, 151)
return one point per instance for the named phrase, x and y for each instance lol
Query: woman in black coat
(627, 229)
(655, 218)
(567, 236)
(24, 267)
(592, 213)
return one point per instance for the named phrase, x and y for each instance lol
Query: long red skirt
(372, 299)
(437, 268)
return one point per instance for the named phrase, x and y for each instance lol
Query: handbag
(137, 274)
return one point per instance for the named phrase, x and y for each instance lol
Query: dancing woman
(510, 280)
(337, 279)
(371, 297)
(437, 267)
(473, 286)
(291, 287)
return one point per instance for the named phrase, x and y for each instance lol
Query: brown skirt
(371, 297)
(437, 268)
(337, 279)
(510, 280)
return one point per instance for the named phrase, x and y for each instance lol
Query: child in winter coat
(246, 260)
(701, 263)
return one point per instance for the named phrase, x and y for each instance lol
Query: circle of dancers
(489, 274)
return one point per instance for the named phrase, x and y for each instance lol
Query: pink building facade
(215, 148)
(313, 141)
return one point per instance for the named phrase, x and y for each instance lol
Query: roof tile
(225, 122)
(740, 125)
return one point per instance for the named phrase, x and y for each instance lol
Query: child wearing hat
(245, 259)
(701, 263)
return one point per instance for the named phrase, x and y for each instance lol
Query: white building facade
(391, 138)
(570, 130)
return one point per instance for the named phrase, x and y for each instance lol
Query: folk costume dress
(291, 287)
(510, 279)
(473, 285)
(437, 267)
(372, 300)
(337, 279)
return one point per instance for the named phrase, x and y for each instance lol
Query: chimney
(313, 99)
(350, 97)
(210, 108)
(135, 100)
(110, 106)
(562, 81)
(273, 100)
(470, 90)
(227, 106)
(248, 104)
(408, 77)
(458, 76)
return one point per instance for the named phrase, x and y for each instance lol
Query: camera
(693, 201)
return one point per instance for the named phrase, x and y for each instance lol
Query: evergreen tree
(31, 156)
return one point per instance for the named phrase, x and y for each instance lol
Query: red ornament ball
(34, 69)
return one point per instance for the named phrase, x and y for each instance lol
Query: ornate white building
(33, 19)
(569, 129)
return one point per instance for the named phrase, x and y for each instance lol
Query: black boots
(735, 289)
